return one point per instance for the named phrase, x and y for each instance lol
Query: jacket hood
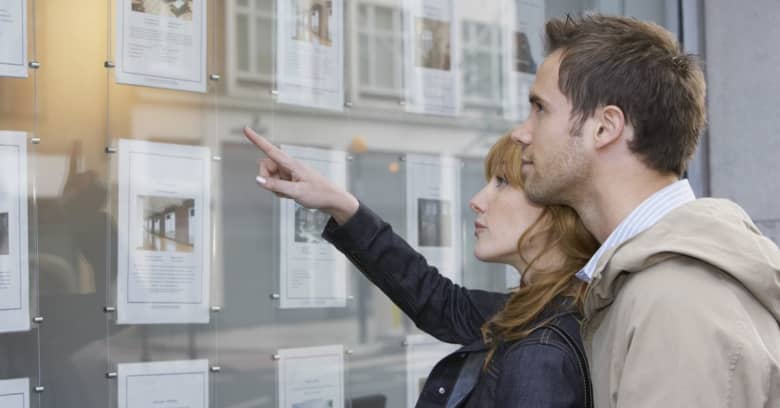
(715, 231)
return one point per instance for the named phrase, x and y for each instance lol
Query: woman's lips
(478, 227)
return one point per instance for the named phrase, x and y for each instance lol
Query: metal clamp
(274, 92)
(109, 309)
(108, 64)
(35, 140)
(216, 309)
(216, 158)
(215, 77)
(349, 352)
(350, 297)
(39, 389)
(38, 319)
(111, 375)
(275, 357)
(34, 64)
(348, 104)
(110, 150)
(215, 369)
(275, 296)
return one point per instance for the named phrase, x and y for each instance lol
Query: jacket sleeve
(439, 307)
(539, 376)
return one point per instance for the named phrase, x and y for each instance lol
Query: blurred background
(75, 109)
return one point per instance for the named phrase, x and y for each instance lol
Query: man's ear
(611, 122)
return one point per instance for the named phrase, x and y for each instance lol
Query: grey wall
(744, 102)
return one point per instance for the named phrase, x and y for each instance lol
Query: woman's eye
(537, 106)
(500, 181)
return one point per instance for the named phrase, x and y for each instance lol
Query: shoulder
(679, 281)
(541, 349)
(680, 294)
(544, 348)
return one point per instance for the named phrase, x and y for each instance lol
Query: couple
(680, 297)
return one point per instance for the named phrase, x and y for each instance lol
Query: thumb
(279, 186)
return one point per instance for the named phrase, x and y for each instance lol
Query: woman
(519, 350)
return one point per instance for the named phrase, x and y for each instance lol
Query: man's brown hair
(640, 68)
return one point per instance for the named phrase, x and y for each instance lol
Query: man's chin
(537, 193)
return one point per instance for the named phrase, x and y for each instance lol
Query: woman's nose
(475, 204)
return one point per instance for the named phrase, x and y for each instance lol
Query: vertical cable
(214, 197)
(34, 192)
(109, 192)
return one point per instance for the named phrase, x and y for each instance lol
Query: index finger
(273, 152)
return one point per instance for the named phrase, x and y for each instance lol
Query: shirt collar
(641, 218)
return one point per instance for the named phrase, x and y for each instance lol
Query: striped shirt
(643, 217)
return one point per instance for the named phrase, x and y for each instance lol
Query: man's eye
(537, 106)
(500, 181)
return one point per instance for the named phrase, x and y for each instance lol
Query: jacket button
(442, 390)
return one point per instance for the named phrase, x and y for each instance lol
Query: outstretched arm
(289, 178)
(437, 305)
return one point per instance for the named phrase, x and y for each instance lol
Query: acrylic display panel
(350, 92)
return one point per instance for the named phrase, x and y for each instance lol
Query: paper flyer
(311, 377)
(310, 53)
(13, 38)
(14, 252)
(312, 271)
(15, 393)
(433, 212)
(168, 384)
(164, 233)
(431, 57)
(161, 43)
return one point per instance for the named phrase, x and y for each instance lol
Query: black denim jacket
(537, 371)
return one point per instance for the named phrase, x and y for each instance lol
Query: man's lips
(478, 227)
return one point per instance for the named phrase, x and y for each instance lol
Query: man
(684, 300)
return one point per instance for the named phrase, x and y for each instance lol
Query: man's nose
(521, 134)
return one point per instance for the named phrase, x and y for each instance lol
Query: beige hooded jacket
(687, 314)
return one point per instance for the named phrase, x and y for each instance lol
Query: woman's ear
(611, 123)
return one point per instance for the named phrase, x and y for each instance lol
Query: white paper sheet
(161, 43)
(433, 211)
(14, 261)
(168, 384)
(432, 57)
(310, 53)
(15, 393)
(422, 353)
(13, 38)
(164, 268)
(312, 272)
(523, 42)
(311, 377)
